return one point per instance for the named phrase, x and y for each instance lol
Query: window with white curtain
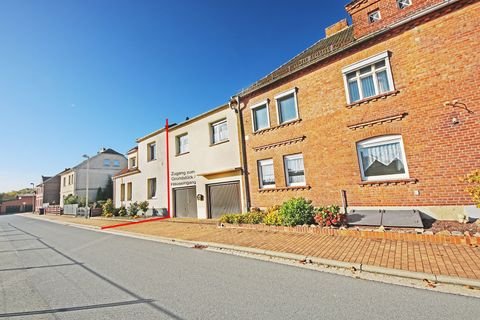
(374, 16)
(152, 151)
(260, 117)
(219, 131)
(287, 106)
(182, 144)
(382, 158)
(368, 78)
(266, 175)
(152, 188)
(294, 170)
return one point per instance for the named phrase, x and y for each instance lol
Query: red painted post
(168, 169)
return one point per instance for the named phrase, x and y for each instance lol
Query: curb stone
(218, 247)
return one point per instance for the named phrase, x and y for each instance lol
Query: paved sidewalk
(439, 259)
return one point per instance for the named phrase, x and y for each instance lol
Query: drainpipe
(234, 104)
(168, 168)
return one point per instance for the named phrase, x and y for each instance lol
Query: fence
(70, 209)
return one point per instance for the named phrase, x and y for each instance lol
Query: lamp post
(33, 196)
(87, 215)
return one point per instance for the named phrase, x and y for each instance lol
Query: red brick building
(387, 109)
(22, 203)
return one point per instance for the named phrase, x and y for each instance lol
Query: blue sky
(76, 76)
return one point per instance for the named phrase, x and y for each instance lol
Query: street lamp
(33, 196)
(87, 215)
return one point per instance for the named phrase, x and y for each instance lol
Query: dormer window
(374, 16)
(402, 4)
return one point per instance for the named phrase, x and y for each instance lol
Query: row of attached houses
(382, 113)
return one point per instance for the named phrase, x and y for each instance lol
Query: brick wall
(389, 12)
(433, 62)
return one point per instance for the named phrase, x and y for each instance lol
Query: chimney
(102, 150)
(335, 28)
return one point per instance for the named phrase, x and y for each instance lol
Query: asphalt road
(51, 271)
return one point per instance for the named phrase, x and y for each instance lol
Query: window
(374, 16)
(294, 170)
(260, 116)
(152, 151)
(266, 174)
(152, 188)
(122, 192)
(368, 78)
(69, 180)
(129, 191)
(133, 162)
(402, 4)
(287, 106)
(382, 158)
(64, 181)
(219, 131)
(182, 144)
(116, 163)
(106, 162)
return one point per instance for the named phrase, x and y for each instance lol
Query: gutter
(446, 3)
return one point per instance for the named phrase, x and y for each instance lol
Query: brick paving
(441, 259)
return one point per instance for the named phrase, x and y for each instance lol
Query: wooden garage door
(185, 202)
(224, 198)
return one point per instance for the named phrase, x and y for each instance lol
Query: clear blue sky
(79, 75)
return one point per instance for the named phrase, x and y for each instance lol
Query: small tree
(108, 190)
(122, 212)
(144, 206)
(473, 180)
(100, 194)
(108, 208)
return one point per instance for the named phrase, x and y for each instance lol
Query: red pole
(168, 168)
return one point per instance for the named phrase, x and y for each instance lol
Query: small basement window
(402, 4)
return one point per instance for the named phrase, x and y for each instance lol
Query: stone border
(364, 234)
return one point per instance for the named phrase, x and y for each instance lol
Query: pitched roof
(126, 172)
(44, 178)
(111, 151)
(320, 50)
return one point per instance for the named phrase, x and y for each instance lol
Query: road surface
(51, 271)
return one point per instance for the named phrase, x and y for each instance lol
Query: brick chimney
(335, 28)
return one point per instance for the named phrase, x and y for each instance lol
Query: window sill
(151, 160)
(281, 189)
(388, 182)
(182, 154)
(283, 125)
(217, 143)
(372, 99)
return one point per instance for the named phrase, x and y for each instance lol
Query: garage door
(224, 198)
(185, 202)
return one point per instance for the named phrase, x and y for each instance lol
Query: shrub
(330, 216)
(144, 206)
(133, 209)
(71, 199)
(243, 218)
(107, 208)
(116, 212)
(273, 218)
(473, 179)
(122, 212)
(297, 211)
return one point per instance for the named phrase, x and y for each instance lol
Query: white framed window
(106, 162)
(368, 78)
(152, 188)
(152, 151)
(374, 16)
(219, 131)
(133, 162)
(266, 174)
(287, 108)
(260, 116)
(129, 191)
(294, 170)
(402, 4)
(116, 163)
(122, 192)
(382, 158)
(182, 144)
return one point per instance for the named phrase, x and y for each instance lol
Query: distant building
(103, 166)
(22, 203)
(47, 192)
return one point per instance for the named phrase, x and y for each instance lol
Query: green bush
(107, 208)
(297, 211)
(143, 206)
(133, 209)
(273, 218)
(243, 218)
(122, 212)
